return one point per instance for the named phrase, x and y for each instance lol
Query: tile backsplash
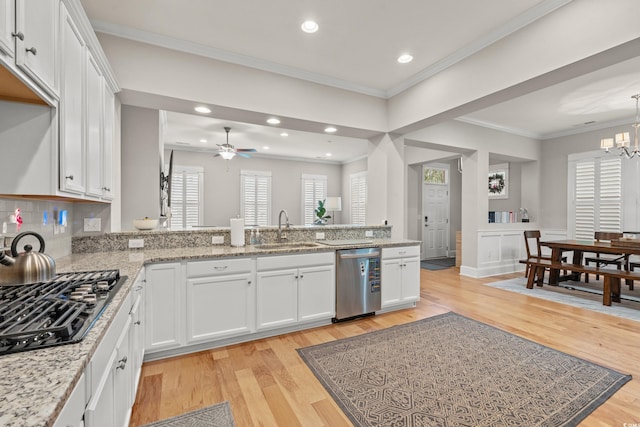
(42, 217)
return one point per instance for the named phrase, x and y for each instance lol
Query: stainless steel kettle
(27, 267)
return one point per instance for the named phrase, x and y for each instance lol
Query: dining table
(579, 248)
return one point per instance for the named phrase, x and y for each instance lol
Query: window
(596, 195)
(186, 194)
(359, 198)
(314, 188)
(255, 198)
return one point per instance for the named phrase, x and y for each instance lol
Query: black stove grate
(60, 311)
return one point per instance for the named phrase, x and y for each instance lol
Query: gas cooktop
(60, 311)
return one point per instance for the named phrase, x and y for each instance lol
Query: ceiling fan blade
(245, 155)
(247, 150)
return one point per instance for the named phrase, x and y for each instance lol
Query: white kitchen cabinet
(72, 107)
(138, 321)
(400, 275)
(294, 288)
(164, 296)
(220, 299)
(37, 40)
(93, 129)
(7, 27)
(72, 414)
(108, 134)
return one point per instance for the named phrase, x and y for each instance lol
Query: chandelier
(622, 140)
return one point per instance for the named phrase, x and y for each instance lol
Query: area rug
(449, 370)
(218, 415)
(438, 263)
(577, 294)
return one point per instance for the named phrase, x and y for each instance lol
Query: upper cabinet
(49, 55)
(36, 36)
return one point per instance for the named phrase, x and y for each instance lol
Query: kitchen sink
(288, 245)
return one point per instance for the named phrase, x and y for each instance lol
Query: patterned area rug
(449, 370)
(218, 415)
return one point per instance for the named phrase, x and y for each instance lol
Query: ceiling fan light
(227, 155)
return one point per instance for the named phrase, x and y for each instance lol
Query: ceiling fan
(228, 151)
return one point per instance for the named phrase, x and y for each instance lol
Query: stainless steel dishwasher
(357, 282)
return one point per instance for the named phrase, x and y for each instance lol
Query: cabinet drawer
(219, 266)
(295, 261)
(73, 410)
(400, 252)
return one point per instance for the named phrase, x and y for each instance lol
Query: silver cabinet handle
(32, 50)
(69, 177)
(224, 267)
(18, 35)
(106, 188)
(136, 323)
(248, 282)
(122, 363)
(138, 288)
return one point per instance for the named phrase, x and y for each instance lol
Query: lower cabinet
(294, 288)
(163, 312)
(400, 275)
(219, 299)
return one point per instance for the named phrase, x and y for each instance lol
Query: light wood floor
(267, 383)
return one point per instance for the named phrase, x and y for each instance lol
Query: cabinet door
(107, 143)
(164, 289)
(219, 307)
(7, 27)
(123, 378)
(72, 413)
(137, 337)
(391, 280)
(316, 293)
(277, 298)
(36, 52)
(410, 279)
(72, 147)
(101, 408)
(93, 126)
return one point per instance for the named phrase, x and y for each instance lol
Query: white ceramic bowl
(145, 224)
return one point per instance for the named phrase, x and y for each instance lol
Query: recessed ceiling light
(309, 26)
(329, 154)
(266, 147)
(330, 129)
(405, 58)
(284, 134)
(273, 121)
(203, 110)
(203, 140)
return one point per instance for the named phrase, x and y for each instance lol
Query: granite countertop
(34, 385)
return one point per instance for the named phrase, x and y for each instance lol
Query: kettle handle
(14, 243)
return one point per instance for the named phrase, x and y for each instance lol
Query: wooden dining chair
(534, 250)
(620, 260)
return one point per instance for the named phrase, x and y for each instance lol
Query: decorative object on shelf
(622, 140)
(499, 181)
(321, 210)
(228, 151)
(524, 214)
(333, 204)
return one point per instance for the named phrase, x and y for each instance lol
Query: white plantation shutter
(314, 188)
(359, 198)
(597, 196)
(255, 200)
(186, 194)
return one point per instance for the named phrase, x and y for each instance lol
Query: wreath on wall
(496, 183)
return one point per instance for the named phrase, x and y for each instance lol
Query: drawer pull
(224, 267)
(402, 252)
(122, 363)
(18, 35)
(69, 177)
(32, 50)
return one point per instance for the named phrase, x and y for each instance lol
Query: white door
(435, 210)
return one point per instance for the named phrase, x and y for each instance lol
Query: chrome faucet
(282, 236)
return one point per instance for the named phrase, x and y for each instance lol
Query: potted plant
(321, 218)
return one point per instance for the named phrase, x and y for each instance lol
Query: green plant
(321, 211)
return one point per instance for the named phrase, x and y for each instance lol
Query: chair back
(533, 250)
(607, 236)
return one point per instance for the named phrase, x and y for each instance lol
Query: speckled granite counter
(34, 385)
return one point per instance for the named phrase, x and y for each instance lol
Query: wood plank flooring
(267, 383)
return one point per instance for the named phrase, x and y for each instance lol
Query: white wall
(221, 184)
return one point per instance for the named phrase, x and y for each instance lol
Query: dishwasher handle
(353, 256)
